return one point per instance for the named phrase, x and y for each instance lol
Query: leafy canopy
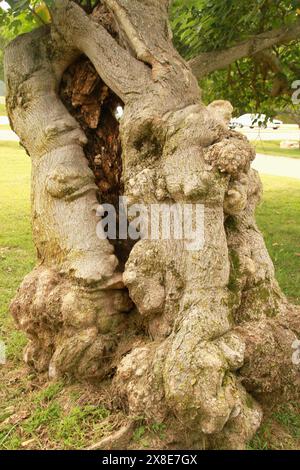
(206, 25)
(249, 83)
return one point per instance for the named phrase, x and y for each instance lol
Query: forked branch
(118, 69)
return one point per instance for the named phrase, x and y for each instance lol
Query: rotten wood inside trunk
(94, 106)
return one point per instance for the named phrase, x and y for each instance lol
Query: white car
(254, 120)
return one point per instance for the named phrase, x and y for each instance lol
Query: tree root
(117, 440)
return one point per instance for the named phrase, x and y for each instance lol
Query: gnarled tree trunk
(195, 339)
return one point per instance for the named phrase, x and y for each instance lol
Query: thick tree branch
(118, 69)
(208, 62)
(151, 45)
(134, 39)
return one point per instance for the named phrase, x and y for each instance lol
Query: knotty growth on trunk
(196, 340)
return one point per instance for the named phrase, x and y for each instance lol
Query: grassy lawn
(39, 415)
(279, 218)
(272, 147)
(16, 248)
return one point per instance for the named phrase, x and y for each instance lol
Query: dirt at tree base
(280, 428)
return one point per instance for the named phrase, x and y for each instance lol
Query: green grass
(286, 416)
(50, 424)
(59, 415)
(272, 147)
(278, 216)
(17, 254)
(280, 430)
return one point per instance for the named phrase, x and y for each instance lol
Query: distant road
(8, 135)
(266, 164)
(4, 120)
(277, 166)
(287, 132)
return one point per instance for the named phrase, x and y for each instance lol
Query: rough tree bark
(197, 340)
